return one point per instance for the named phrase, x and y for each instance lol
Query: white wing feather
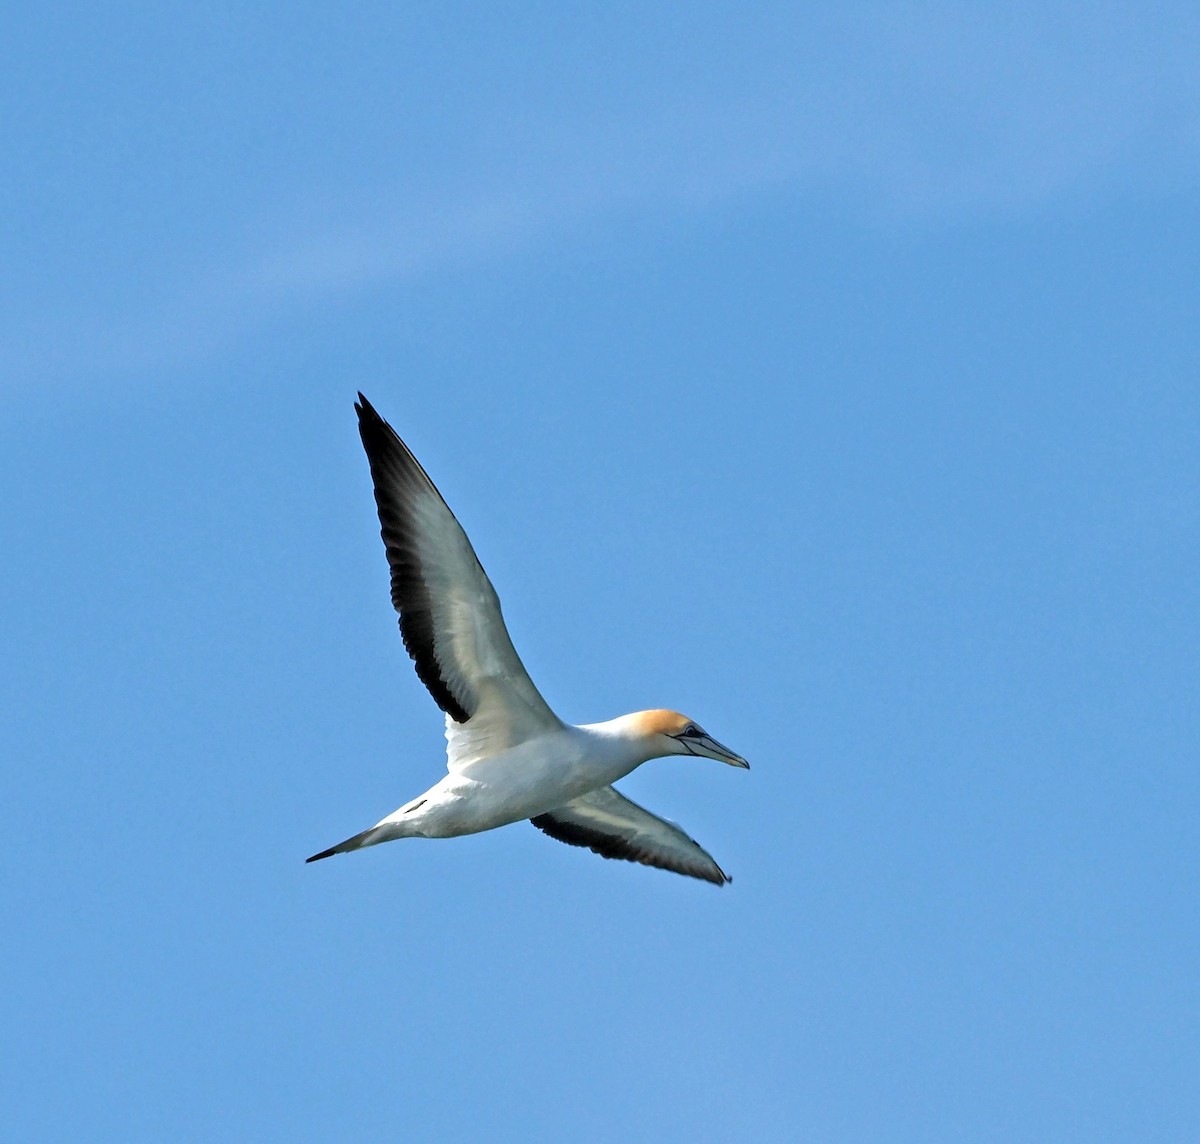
(450, 614)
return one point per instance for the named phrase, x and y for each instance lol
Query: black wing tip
(366, 411)
(379, 438)
(717, 878)
(324, 854)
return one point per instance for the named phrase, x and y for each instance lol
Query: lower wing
(608, 824)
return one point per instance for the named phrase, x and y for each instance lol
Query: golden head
(681, 736)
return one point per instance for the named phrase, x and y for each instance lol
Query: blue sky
(829, 375)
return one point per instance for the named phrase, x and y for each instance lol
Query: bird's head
(674, 734)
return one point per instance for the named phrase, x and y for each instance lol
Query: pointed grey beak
(707, 746)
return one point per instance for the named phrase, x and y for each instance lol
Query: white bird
(509, 756)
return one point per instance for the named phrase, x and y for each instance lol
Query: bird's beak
(708, 746)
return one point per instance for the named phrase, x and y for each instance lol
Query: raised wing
(450, 617)
(608, 824)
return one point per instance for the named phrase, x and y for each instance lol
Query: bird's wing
(610, 825)
(450, 617)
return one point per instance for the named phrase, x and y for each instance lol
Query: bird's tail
(370, 837)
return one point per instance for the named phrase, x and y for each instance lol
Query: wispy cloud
(919, 118)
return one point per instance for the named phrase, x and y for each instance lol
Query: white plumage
(509, 757)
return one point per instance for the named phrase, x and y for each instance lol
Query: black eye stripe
(692, 733)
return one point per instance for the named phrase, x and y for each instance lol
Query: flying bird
(509, 757)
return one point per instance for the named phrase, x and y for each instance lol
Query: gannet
(509, 757)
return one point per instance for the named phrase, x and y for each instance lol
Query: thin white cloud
(912, 118)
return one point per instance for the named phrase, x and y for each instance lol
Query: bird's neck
(621, 740)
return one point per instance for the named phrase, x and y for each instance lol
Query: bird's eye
(692, 731)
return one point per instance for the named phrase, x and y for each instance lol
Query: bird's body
(509, 756)
(518, 783)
